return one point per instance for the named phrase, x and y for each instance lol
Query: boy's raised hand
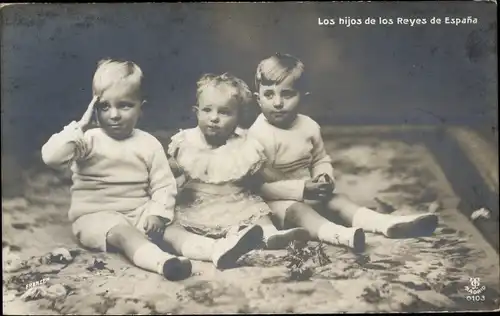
(87, 116)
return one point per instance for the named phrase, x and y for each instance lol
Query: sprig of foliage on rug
(299, 257)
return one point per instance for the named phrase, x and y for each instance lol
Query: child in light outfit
(301, 170)
(219, 163)
(123, 188)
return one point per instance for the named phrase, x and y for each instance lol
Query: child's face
(118, 110)
(217, 114)
(279, 102)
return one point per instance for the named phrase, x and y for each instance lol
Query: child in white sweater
(301, 170)
(123, 189)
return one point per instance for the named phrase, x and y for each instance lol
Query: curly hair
(233, 86)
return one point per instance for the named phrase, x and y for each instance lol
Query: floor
(383, 172)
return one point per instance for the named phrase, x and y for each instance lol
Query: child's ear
(257, 97)
(195, 109)
(96, 117)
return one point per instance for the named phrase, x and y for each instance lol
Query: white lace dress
(215, 197)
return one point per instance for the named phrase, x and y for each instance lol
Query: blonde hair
(275, 69)
(235, 88)
(111, 72)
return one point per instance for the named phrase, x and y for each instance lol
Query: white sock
(198, 248)
(327, 230)
(151, 258)
(338, 235)
(369, 220)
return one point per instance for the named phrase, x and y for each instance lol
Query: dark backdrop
(432, 74)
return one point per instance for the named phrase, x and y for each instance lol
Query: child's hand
(87, 116)
(174, 166)
(181, 181)
(317, 190)
(325, 178)
(154, 225)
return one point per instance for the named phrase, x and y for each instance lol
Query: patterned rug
(418, 274)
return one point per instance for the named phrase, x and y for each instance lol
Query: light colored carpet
(417, 274)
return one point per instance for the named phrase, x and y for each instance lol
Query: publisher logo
(474, 290)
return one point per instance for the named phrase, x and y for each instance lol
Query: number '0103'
(476, 298)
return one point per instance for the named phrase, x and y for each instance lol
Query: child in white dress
(123, 189)
(219, 162)
(301, 170)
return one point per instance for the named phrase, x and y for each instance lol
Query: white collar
(240, 131)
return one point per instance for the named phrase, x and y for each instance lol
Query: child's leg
(145, 254)
(100, 230)
(392, 226)
(279, 239)
(303, 215)
(222, 252)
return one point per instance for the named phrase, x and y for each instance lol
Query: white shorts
(91, 230)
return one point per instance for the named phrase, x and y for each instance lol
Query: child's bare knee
(294, 212)
(341, 205)
(174, 229)
(173, 234)
(340, 197)
(116, 235)
(341, 201)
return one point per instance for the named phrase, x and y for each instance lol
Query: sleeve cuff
(284, 190)
(300, 194)
(323, 168)
(72, 131)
